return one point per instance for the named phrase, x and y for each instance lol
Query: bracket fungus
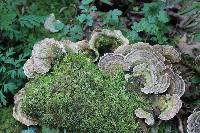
(111, 62)
(28, 68)
(152, 69)
(169, 106)
(43, 55)
(149, 119)
(168, 52)
(153, 82)
(141, 62)
(193, 122)
(197, 60)
(76, 47)
(17, 112)
(177, 84)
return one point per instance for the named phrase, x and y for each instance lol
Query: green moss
(106, 44)
(77, 95)
(7, 122)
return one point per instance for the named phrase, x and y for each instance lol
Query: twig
(180, 127)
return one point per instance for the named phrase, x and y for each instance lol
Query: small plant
(14, 26)
(7, 123)
(11, 72)
(153, 25)
(86, 9)
(113, 18)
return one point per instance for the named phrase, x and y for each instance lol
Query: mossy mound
(107, 44)
(7, 123)
(77, 95)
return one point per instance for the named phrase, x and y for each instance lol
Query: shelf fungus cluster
(45, 53)
(193, 122)
(150, 65)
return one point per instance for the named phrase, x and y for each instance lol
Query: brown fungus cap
(169, 106)
(17, 112)
(43, 55)
(154, 82)
(177, 84)
(111, 62)
(193, 123)
(169, 52)
(144, 53)
(149, 119)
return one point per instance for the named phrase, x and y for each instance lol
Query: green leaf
(2, 98)
(163, 17)
(197, 37)
(58, 25)
(7, 18)
(107, 2)
(76, 33)
(12, 73)
(10, 87)
(2, 69)
(10, 52)
(113, 16)
(85, 18)
(31, 21)
(29, 130)
(93, 8)
(86, 2)
(195, 79)
(133, 36)
(82, 18)
(20, 73)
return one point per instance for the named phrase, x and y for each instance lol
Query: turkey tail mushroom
(193, 123)
(169, 106)
(111, 62)
(149, 119)
(17, 112)
(43, 54)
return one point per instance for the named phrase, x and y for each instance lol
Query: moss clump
(106, 44)
(78, 96)
(7, 122)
